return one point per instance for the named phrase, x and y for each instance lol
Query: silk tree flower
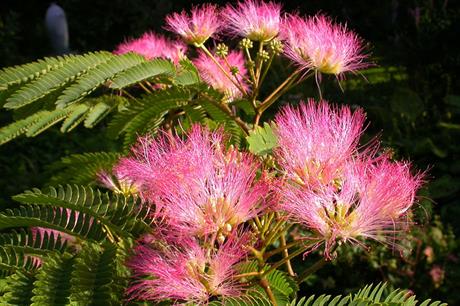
(186, 272)
(118, 183)
(214, 77)
(198, 186)
(167, 157)
(198, 26)
(151, 45)
(316, 43)
(315, 140)
(371, 201)
(256, 20)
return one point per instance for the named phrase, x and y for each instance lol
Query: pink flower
(370, 199)
(315, 140)
(168, 157)
(186, 271)
(256, 20)
(151, 45)
(214, 77)
(197, 185)
(195, 28)
(318, 44)
(118, 183)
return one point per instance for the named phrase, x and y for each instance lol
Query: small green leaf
(262, 140)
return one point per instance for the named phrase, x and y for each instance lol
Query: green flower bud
(222, 50)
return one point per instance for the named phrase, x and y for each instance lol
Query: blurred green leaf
(262, 140)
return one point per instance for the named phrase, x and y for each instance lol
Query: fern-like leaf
(251, 298)
(54, 218)
(122, 215)
(18, 128)
(75, 117)
(18, 290)
(368, 296)
(23, 73)
(82, 168)
(52, 285)
(29, 242)
(46, 120)
(94, 275)
(90, 81)
(45, 84)
(224, 119)
(104, 105)
(142, 72)
(135, 120)
(188, 75)
(12, 259)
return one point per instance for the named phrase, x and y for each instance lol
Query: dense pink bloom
(152, 45)
(318, 44)
(186, 271)
(315, 140)
(195, 28)
(213, 75)
(256, 20)
(370, 199)
(197, 185)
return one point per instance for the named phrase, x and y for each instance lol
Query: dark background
(413, 102)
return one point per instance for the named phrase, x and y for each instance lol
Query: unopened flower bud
(234, 70)
(276, 46)
(246, 43)
(263, 55)
(222, 50)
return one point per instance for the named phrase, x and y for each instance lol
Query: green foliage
(24, 73)
(18, 289)
(70, 69)
(69, 222)
(94, 276)
(82, 168)
(369, 295)
(89, 277)
(57, 89)
(142, 72)
(92, 111)
(41, 269)
(262, 140)
(52, 284)
(115, 213)
(32, 243)
(148, 113)
(283, 286)
(90, 81)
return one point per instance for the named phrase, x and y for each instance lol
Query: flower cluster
(199, 189)
(258, 21)
(213, 204)
(316, 43)
(330, 186)
(184, 270)
(312, 43)
(151, 45)
(197, 27)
